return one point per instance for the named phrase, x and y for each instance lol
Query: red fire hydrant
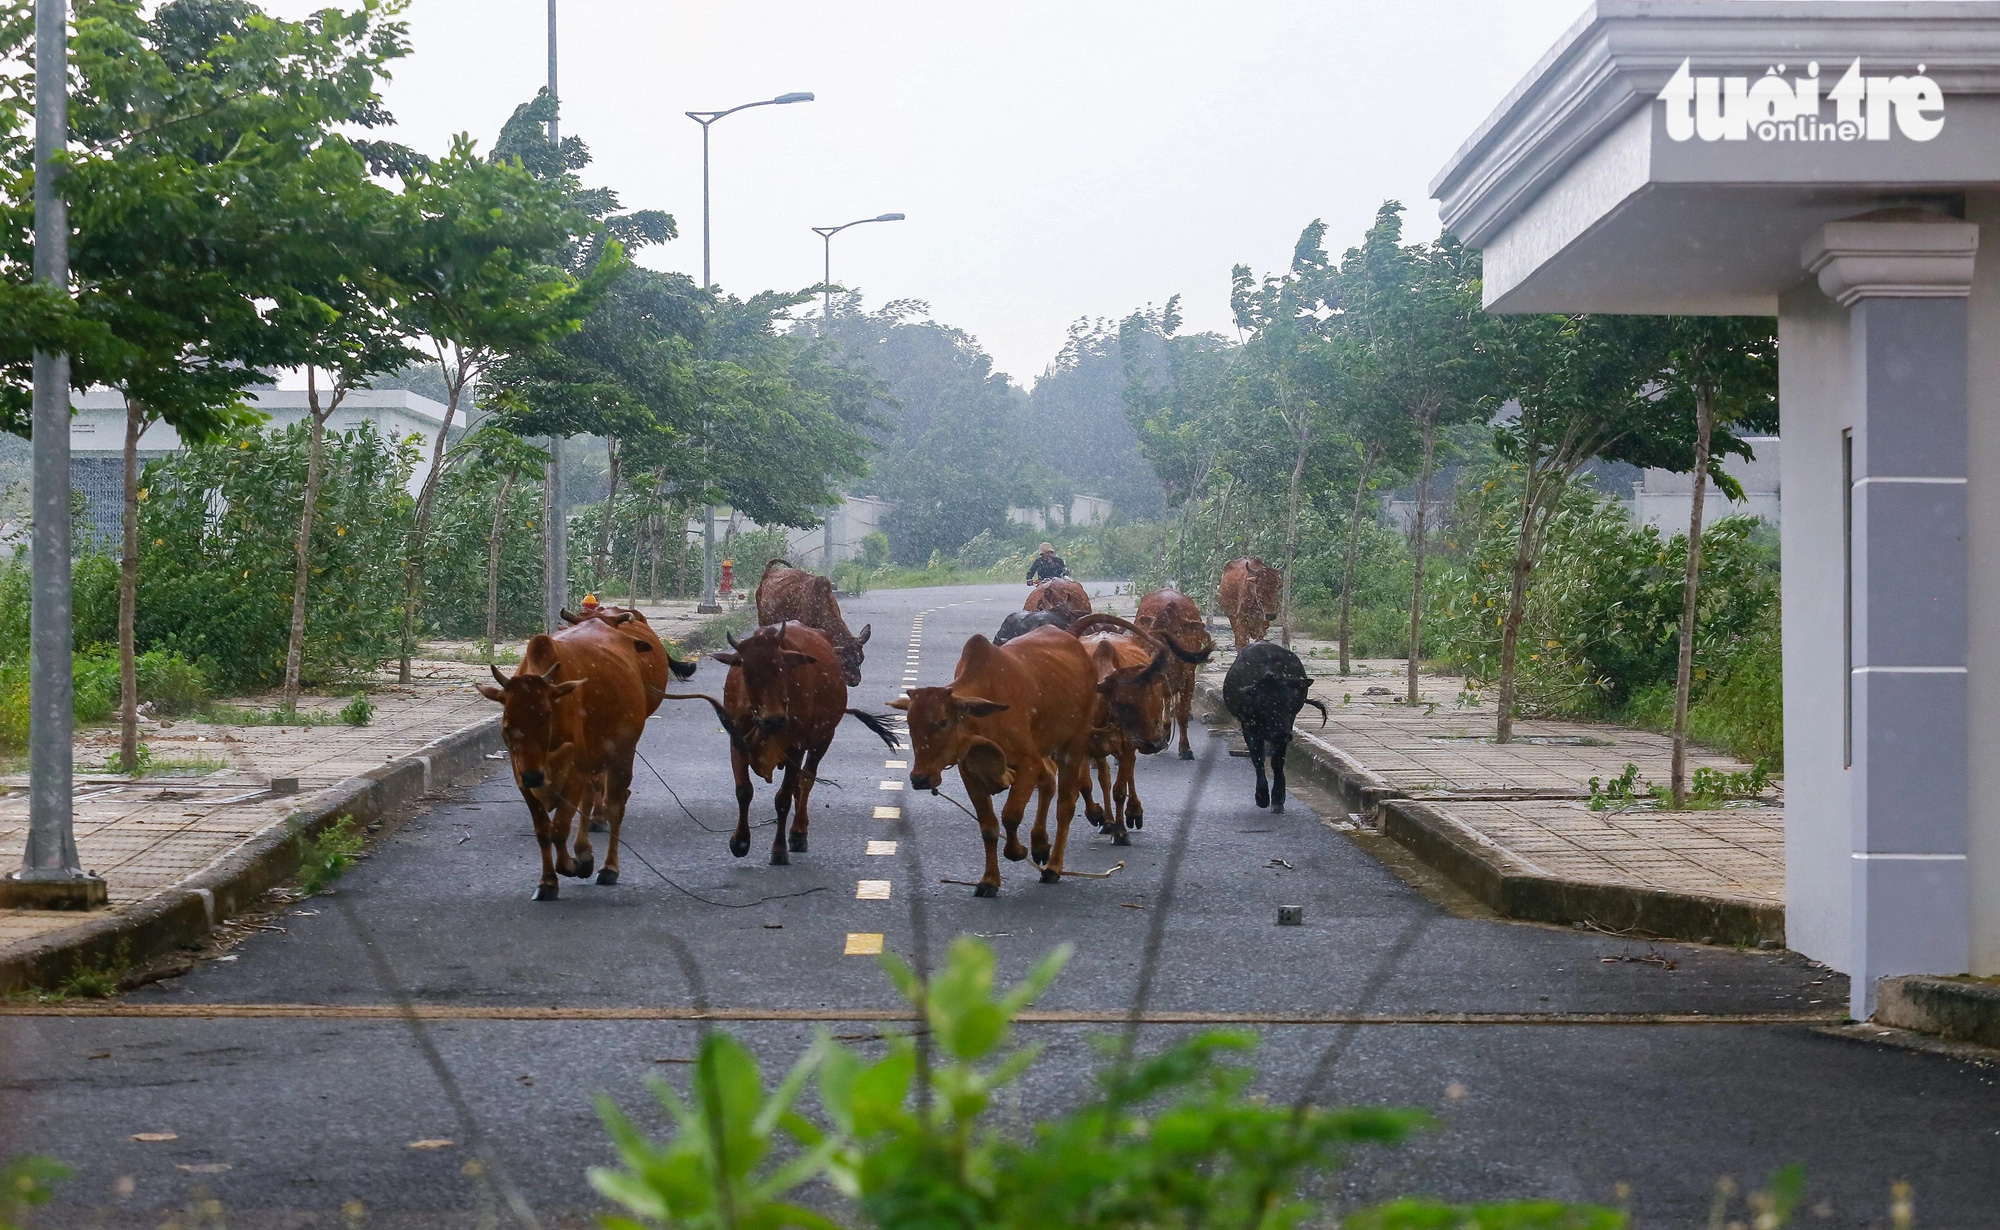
(728, 575)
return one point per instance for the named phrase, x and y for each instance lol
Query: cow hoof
(1263, 799)
(1040, 852)
(798, 843)
(1121, 839)
(1051, 876)
(584, 868)
(600, 826)
(1187, 753)
(986, 890)
(779, 858)
(1278, 808)
(739, 846)
(1015, 852)
(607, 877)
(547, 892)
(1135, 819)
(1095, 815)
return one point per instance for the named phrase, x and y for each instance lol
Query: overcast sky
(1056, 160)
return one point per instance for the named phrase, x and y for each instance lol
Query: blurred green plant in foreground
(1172, 1139)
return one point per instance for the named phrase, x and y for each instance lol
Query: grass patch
(357, 712)
(711, 632)
(326, 856)
(148, 765)
(505, 655)
(277, 715)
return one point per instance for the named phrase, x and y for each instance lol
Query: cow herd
(1061, 693)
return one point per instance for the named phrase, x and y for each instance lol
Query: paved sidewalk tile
(1732, 851)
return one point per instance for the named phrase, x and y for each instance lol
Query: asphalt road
(286, 1119)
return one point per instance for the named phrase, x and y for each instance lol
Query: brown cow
(1015, 718)
(781, 704)
(573, 714)
(1173, 614)
(1132, 715)
(1249, 597)
(656, 662)
(1059, 594)
(785, 592)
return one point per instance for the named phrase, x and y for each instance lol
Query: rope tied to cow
(1085, 875)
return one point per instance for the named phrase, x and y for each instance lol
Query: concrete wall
(1664, 499)
(1983, 590)
(1816, 405)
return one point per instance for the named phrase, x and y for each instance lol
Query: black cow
(1020, 623)
(1264, 691)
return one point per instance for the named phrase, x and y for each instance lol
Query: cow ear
(561, 755)
(727, 658)
(901, 702)
(1104, 657)
(792, 657)
(492, 693)
(866, 631)
(564, 689)
(975, 706)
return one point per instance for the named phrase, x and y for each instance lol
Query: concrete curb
(181, 915)
(1484, 870)
(1948, 1007)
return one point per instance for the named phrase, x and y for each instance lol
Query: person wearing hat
(1046, 565)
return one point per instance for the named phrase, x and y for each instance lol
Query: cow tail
(680, 669)
(878, 724)
(721, 714)
(1322, 709)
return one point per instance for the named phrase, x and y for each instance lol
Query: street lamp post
(708, 604)
(555, 529)
(51, 875)
(827, 233)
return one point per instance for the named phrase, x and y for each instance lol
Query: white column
(1903, 277)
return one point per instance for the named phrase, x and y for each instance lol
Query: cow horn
(499, 678)
(550, 674)
(568, 617)
(731, 638)
(623, 617)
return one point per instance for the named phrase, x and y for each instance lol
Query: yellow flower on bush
(242, 444)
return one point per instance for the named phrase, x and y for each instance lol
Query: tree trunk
(295, 647)
(128, 597)
(653, 528)
(493, 565)
(1429, 429)
(638, 544)
(1704, 413)
(1517, 603)
(1353, 557)
(413, 571)
(600, 562)
(1292, 524)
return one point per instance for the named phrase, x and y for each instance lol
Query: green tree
(1724, 370)
(1415, 309)
(478, 282)
(1587, 387)
(499, 458)
(206, 119)
(949, 454)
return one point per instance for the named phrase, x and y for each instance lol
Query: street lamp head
(889, 218)
(799, 96)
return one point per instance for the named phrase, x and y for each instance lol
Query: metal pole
(51, 875)
(708, 604)
(555, 536)
(826, 283)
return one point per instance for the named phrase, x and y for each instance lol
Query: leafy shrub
(1603, 613)
(454, 604)
(219, 547)
(93, 602)
(875, 550)
(26, 1182)
(1740, 708)
(1169, 1139)
(325, 856)
(359, 711)
(172, 683)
